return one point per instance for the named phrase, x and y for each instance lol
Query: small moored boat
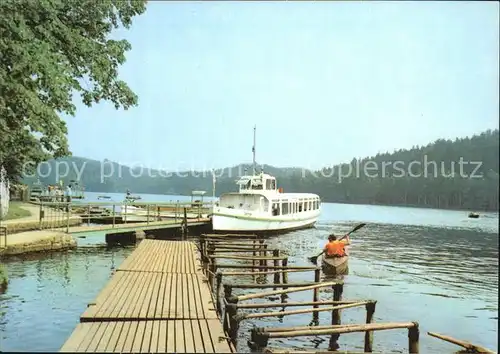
(473, 215)
(335, 265)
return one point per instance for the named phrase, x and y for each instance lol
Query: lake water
(436, 267)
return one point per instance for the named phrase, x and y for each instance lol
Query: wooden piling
(254, 262)
(317, 278)
(337, 296)
(231, 313)
(185, 223)
(284, 263)
(263, 261)
(217, 292)
(413, 337)
(276, 255)
(370, 310)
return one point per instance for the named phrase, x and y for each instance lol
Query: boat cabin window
(275, 210)
(284, 208)
(270, 184)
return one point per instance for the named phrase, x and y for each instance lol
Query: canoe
(335, 265)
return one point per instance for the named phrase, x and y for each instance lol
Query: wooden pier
(130, 227)
(157, 301)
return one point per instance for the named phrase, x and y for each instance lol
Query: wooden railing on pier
(157, 301)
(263, 261)
(62, 215)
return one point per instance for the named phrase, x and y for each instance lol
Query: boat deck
(158, 301)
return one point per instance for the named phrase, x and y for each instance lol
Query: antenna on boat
(253, 148)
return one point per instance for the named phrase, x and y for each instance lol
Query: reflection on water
(47, 294)
(444, 277)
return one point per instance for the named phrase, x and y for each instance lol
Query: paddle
(315, 258)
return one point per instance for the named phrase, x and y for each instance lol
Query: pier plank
(171, 336)
(159, 301)
(142, 295)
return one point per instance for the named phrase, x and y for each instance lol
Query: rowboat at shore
(335, 265)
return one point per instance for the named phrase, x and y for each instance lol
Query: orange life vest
(335, 248)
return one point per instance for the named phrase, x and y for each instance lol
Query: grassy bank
(16, 212)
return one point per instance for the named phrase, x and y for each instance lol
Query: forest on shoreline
(459, 174)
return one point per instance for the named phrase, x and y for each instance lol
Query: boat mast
(253, 149)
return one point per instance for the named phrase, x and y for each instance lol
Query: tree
(49, 50)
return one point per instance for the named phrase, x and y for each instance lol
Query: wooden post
(203, 248)
(41, 216)
(413, 335)
(234, 323)
(147, 214)
(68, 211)
(228, 292)
(114, 215)
(185, 224)
(205, 261)
(284, 264)
(254, 253)
(217, 292)
(260, 340)
(212, 267)
(261, 251)
(337, 296)
(88, 215)
(370, 309)
(124, 215)
(264, 262)
(276, 253)
(317, 279)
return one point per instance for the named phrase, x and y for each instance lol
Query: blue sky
(323, 82)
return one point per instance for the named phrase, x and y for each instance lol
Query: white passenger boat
(259, 206)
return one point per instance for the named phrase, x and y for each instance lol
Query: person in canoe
(335, 256)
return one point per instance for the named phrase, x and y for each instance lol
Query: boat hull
(335, 265)
(230, 223)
